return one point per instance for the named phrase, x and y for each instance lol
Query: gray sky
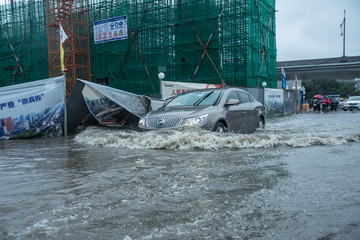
(308, 29)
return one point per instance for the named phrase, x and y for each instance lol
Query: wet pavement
(296, 179)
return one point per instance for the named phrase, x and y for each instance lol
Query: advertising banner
(172, 89)
(274, 102)
(33, 109)
(110, 29)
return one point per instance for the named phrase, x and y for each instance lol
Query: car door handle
(243, 113)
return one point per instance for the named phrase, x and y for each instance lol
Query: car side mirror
(232, 102)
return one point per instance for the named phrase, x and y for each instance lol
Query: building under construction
(203, 41)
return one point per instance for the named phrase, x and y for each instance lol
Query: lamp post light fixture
(302, 92)
(264, 84)
(161, 76)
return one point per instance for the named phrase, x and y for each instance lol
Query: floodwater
(299, 178)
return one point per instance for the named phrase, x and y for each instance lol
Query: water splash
(204, 140)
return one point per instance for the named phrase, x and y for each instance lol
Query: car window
(185, 99)
(232, 95)
(244, 97)
(354, 98)
(205, 98)
(210, 99)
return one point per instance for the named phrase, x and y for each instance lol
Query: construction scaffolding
(205, 41)
(23, 42)
(73, 17)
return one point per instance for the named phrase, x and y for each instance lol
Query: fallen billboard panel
(107, 106)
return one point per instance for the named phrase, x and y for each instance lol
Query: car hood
(183, 112)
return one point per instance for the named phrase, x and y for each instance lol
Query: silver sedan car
(352, 103)
(221, 110)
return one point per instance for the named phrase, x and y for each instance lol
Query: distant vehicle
(220, 110)
(316, 102)
(335, 100)
(316, 105)
(341, 103)
(352, 103)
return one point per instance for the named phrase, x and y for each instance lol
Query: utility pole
(342, 26)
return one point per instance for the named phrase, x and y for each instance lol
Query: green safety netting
(23, 29)
(164, 36)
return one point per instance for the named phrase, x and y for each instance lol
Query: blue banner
(283, 79)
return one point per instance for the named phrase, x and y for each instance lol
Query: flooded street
(299, 178)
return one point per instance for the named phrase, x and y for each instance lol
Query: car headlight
(195, 120)
(142, 122)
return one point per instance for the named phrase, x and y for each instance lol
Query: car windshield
(205, 98)
(356, 98)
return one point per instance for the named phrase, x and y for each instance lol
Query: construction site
(125, 44)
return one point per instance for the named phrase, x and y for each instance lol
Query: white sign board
(274, 101)
(172, 89)
(110, 29)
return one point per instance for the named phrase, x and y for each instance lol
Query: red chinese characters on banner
(170, 89)
(179, 91)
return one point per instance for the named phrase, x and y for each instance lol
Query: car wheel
(220, 128)
(344, 109)
(261, 123)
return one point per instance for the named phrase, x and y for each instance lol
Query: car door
(235, 116)
(250, 113)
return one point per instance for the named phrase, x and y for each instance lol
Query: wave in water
(204, 140)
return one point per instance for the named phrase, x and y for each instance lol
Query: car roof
(216, 89)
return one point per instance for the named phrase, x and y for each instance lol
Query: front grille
(163, 122)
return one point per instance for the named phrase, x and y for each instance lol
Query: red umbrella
(318, 96)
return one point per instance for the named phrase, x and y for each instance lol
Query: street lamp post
(161, 76)
(342, 26)
(264, 85)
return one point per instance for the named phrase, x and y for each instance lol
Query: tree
(346, 90)
(328, 87)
